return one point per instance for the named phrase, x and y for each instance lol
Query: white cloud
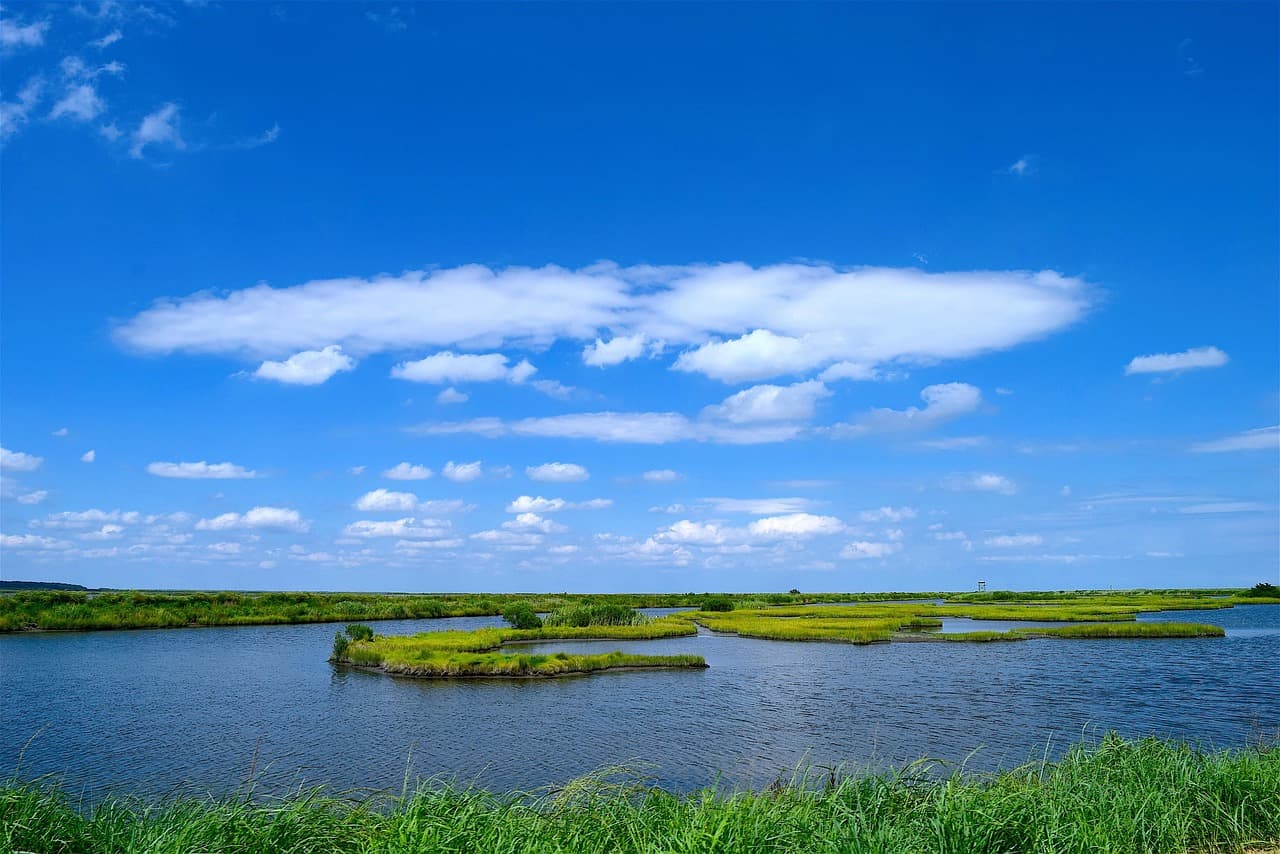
(31, 541)
(981, 482)
(201, 471)
(267, 137)
(449, 367)
(225, 548)
(356, 471)
(757, 355)
(795, 525)
(452, 395)
(602, 354)
(108, 40)
(533, 522)
(1261, 439)
(942, 403)
(563, 550)
(1225, 507)
(770, 403)
(645, 428)
(1009, 541)
(888, 514)
(61, 431)
(15, 114)
(106, 532)
(310, 367)
(158, 128)
(382, 500)
(864, 550)
(1022, 167)
(15, 35)
(408, 528)
(694, 533)
(88, 456)
(778, 319)
(259, 518)
(1159, 363)
(407, 471)
(80, 102)
(952, 443)
(760, 506)
(661, 476)
(531, 504)
(33, 497)
(557, 472)
(445, 505)
(463, 472)
(18, 461)
(848, 371)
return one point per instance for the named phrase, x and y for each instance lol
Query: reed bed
(1112, 795)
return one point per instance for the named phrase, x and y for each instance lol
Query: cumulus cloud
(89, 456)
(557, 472)
(661, 476)
(770, 403)
(201, 471)
(864, 550)
(61, 432)
(981, 482)
(383, 500)
(463, 472)
(159, 128)
(259, 518)
(449, 367)
(34, 497)
(1261, 439)
(534, 522)
(795, 525)
(1187, 360)
(735, 322)
(407, 471)
(943, 402)
(538, 504)
(310, 367)
(452, 395)
(602, 354)
(18, 461)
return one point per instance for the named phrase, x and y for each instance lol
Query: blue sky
(639, 297)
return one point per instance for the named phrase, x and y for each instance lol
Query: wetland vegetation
(71, 610)
(1146, 797)
(478, 653)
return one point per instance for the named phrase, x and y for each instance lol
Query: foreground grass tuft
(1145, 797)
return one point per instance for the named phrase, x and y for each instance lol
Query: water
(155, 712)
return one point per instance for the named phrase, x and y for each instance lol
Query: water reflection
(155, 711)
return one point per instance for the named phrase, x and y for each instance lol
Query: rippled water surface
(158, 711)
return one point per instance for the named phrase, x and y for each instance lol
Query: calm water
(187, 709)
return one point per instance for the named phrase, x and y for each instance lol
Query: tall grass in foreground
(1145, 797)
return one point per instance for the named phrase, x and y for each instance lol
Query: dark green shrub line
(1143, 797)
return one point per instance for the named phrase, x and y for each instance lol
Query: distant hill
(39, 585)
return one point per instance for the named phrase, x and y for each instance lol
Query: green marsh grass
(1129, 630)
(1138, 797)
(478, 653)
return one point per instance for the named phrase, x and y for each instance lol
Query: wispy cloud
(1261, 439)
(1186, 360)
